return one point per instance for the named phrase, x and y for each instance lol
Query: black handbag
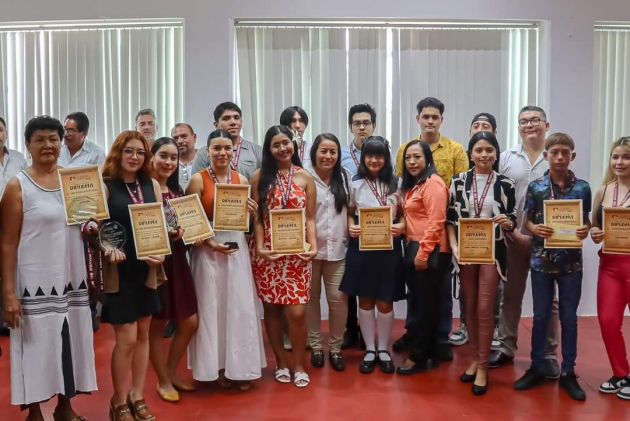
(412, 250)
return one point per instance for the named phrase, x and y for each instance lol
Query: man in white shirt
(146, 123)
(76, 151)
(524, 163)
(186, 138)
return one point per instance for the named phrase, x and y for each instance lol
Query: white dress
(52, 350)
(229, 335)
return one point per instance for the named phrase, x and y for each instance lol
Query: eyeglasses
(533, 121)
(70, 132)
(140, 153)
(364, 123)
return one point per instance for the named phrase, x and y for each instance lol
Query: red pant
(613, 295)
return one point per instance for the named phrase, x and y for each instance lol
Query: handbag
(411, 251)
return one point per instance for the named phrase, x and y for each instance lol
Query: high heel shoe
(119, 413)
(468, 378)
(139, 409)
(480, 390)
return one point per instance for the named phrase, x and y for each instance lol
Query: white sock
(366, 322)
(384, 323)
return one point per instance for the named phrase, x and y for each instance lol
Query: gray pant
(518, 264)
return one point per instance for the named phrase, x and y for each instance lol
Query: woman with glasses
(375, 276)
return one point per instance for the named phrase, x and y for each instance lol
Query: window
(328, 67)
(109, 70)
(611, 93)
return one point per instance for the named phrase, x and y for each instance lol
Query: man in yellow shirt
(450, 158)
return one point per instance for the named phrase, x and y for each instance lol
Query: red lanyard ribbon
(478, 204)
(382, 197)
(214, 176)
(616, 196)
(136, 199)
(237, 154)
(285, 191)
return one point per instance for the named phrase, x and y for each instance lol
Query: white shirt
(185, 173)
(11, 165)
(362, 196)
(332, 227)
(89, 154)
(488, 203)
(514, 163)
(306, 158)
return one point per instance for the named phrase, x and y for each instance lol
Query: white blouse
(488, 203)
(362, 195)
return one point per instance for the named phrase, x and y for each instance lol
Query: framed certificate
(287, 231)
(83, 194)
(565, 217)
(192, 218)
(616, 227)
(476, 241)
(149, 230)
(376, 228)
(230, 207)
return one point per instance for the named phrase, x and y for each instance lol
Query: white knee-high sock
(384, 324)
(367, 322)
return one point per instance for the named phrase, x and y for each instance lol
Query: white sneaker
(460, 336)
(614, 385)
(495, 339)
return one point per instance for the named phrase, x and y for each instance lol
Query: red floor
(350, 395)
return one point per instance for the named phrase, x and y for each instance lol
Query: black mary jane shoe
(480, 390)
(420, 367)
(317, 358)
(468, 378)
(367, 367)
(337, 361)
(386, 366)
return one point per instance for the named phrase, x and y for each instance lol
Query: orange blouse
(424, 208)
(207, 196)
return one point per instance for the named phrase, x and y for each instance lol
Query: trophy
(170, 214)
(82, 209)
(112, 236)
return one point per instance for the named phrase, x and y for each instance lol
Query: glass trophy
(82, 209)
(170, 214)
(112, 236)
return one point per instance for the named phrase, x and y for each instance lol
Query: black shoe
(402, 344)
(386, 366)
(553, 370)
(5, 331)
(480, 390)
(468, 378)
(568, 381)
(433, 363)
(337, 361)
(350, 339)
(367, 367)
(420, 367)
(444, 352)
(498, 358)
(317, 358)
(530, 379)
(169, 331)
(0, 351)
(614, 384)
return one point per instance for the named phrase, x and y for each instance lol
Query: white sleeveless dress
(52, 350)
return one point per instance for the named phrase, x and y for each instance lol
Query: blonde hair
(623, 141)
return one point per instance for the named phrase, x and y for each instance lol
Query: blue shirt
(539, 190)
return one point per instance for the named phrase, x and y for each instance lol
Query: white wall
(209, 57)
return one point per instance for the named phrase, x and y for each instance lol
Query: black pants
(424, 286)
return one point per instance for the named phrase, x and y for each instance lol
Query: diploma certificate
(287, 231)
(565, 217)
(376, 228)
(230, 207)
(149, 230)
(616, 227)
(83, 194)
(476, 241)
(192, 218)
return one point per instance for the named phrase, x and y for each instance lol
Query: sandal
(300, 376)
(283, 375)
(224, 382)
(243, 385)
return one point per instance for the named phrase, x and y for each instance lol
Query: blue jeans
(569, 294)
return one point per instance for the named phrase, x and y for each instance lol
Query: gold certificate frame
(565, 217)
(616, 227)
(230, 207)
(376, 228)
(287, 231)
(82, 190)
(475, 238)
(150, 235)
(192, 218)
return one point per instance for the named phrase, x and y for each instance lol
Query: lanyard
(616, 196)
(285, 192)
(302, 147)
(214, 176)
(136, 199)
(354, 156)
(382, 197)
(553, 194)
(237, 154)
(478, 204)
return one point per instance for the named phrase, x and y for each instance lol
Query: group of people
(210, 290)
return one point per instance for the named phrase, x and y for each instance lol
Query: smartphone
(232, 245)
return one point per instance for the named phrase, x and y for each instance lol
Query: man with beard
(146, 124)
(186, 138)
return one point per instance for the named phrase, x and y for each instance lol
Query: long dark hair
(408, 180)
(173, 180)
(377, 145)
(491, 139)
(269, 166)
(339, 179)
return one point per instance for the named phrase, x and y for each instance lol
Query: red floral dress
(288, 279)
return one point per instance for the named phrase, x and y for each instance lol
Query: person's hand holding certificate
(564, 217)
(376, 228)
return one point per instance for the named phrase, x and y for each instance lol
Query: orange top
(207, 196)
(424, 208)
